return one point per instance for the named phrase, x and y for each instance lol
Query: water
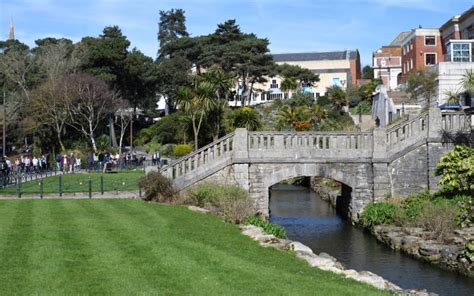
(312, 221)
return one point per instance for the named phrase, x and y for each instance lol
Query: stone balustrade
(202, 158)
(407, 133)
(455, 121)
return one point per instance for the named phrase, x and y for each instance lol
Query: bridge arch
(357, 178)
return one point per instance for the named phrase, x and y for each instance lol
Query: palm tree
(222, 84)
(467, 81)
(196, 102)
(247, 118)
(318, 113)
(337, 96)
(289, 115)
(452, 97)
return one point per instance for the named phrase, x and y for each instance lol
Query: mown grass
(129, 247)
(122, 181)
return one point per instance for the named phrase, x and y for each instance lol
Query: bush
(456, 169)
(181, 150)
(167, 149)
(364, 107)
(157, 188)
(438, 219)
(379, 213)
(414, 204)
(267, 226)
(230, 202)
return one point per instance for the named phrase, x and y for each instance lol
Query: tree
(467, 81)
(318, 114)
(337, 96)
(172, 74)
(246, 117)
(304, 77)
(367, 72)
(90, 101)
(422, 85)
(123, 117)
(456, 169)
(296, 116)
(289, 84)
(196, 102)
(171, 27)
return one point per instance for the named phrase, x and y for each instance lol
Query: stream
(314, 222)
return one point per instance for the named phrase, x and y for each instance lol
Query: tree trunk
(113, 138)
(94, 146)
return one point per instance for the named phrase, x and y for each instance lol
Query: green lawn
(122, 181)
(129, 247)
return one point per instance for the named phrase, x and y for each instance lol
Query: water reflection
(314, 222)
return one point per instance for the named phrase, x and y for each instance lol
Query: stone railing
(407, 132)
(201, 158)
(454, 121)
(293, 145)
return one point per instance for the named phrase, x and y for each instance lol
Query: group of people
(108, 161)
(68, 163)
(25, 164)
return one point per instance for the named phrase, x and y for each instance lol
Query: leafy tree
(467, 81)
(318, 114)
(289, 84)
(297, 117)
(422, 85)
(456, 169)
(368, 72)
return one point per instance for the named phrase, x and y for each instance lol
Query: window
(318, 95)
(430, 40)
(430, 59)
(336, 81)
(411, 46)
(411, 63)
(461, 52)
(274, 84)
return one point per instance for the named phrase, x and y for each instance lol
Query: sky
(290, 25)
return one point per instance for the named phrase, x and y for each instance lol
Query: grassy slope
(123, 181)
(66, 247)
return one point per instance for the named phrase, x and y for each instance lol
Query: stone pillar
(380, 165)
(241, 151)
(434, 124)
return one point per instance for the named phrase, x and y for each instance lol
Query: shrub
(456, 169)
(267, 226)
(182, 149)
(230, 202)
(414, 204)
(438, 219)
(167, 149)
(364, 107)
(379, 213)
(157, 188)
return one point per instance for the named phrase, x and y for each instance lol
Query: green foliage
(414, 204)
(422, 84)
(367, 72)
(246, 117)
(167, 149)
(378, 213)
(465, 217)
(295, 74)
(152, 146)
(468, 251)
(157, 187)
(181, 150)
(299, 100)
(337, 96)
(457, 170)
(230, 202)
(364, 107)
(267, 226)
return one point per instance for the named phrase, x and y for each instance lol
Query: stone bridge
(397, 160)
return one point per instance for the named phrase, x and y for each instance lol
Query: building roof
(315, 56)
(399, 97)
(398, 40)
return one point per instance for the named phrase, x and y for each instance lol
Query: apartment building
(340, 68)
(421, 48)
(457, 35)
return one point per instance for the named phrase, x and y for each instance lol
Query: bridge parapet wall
(292, 146)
